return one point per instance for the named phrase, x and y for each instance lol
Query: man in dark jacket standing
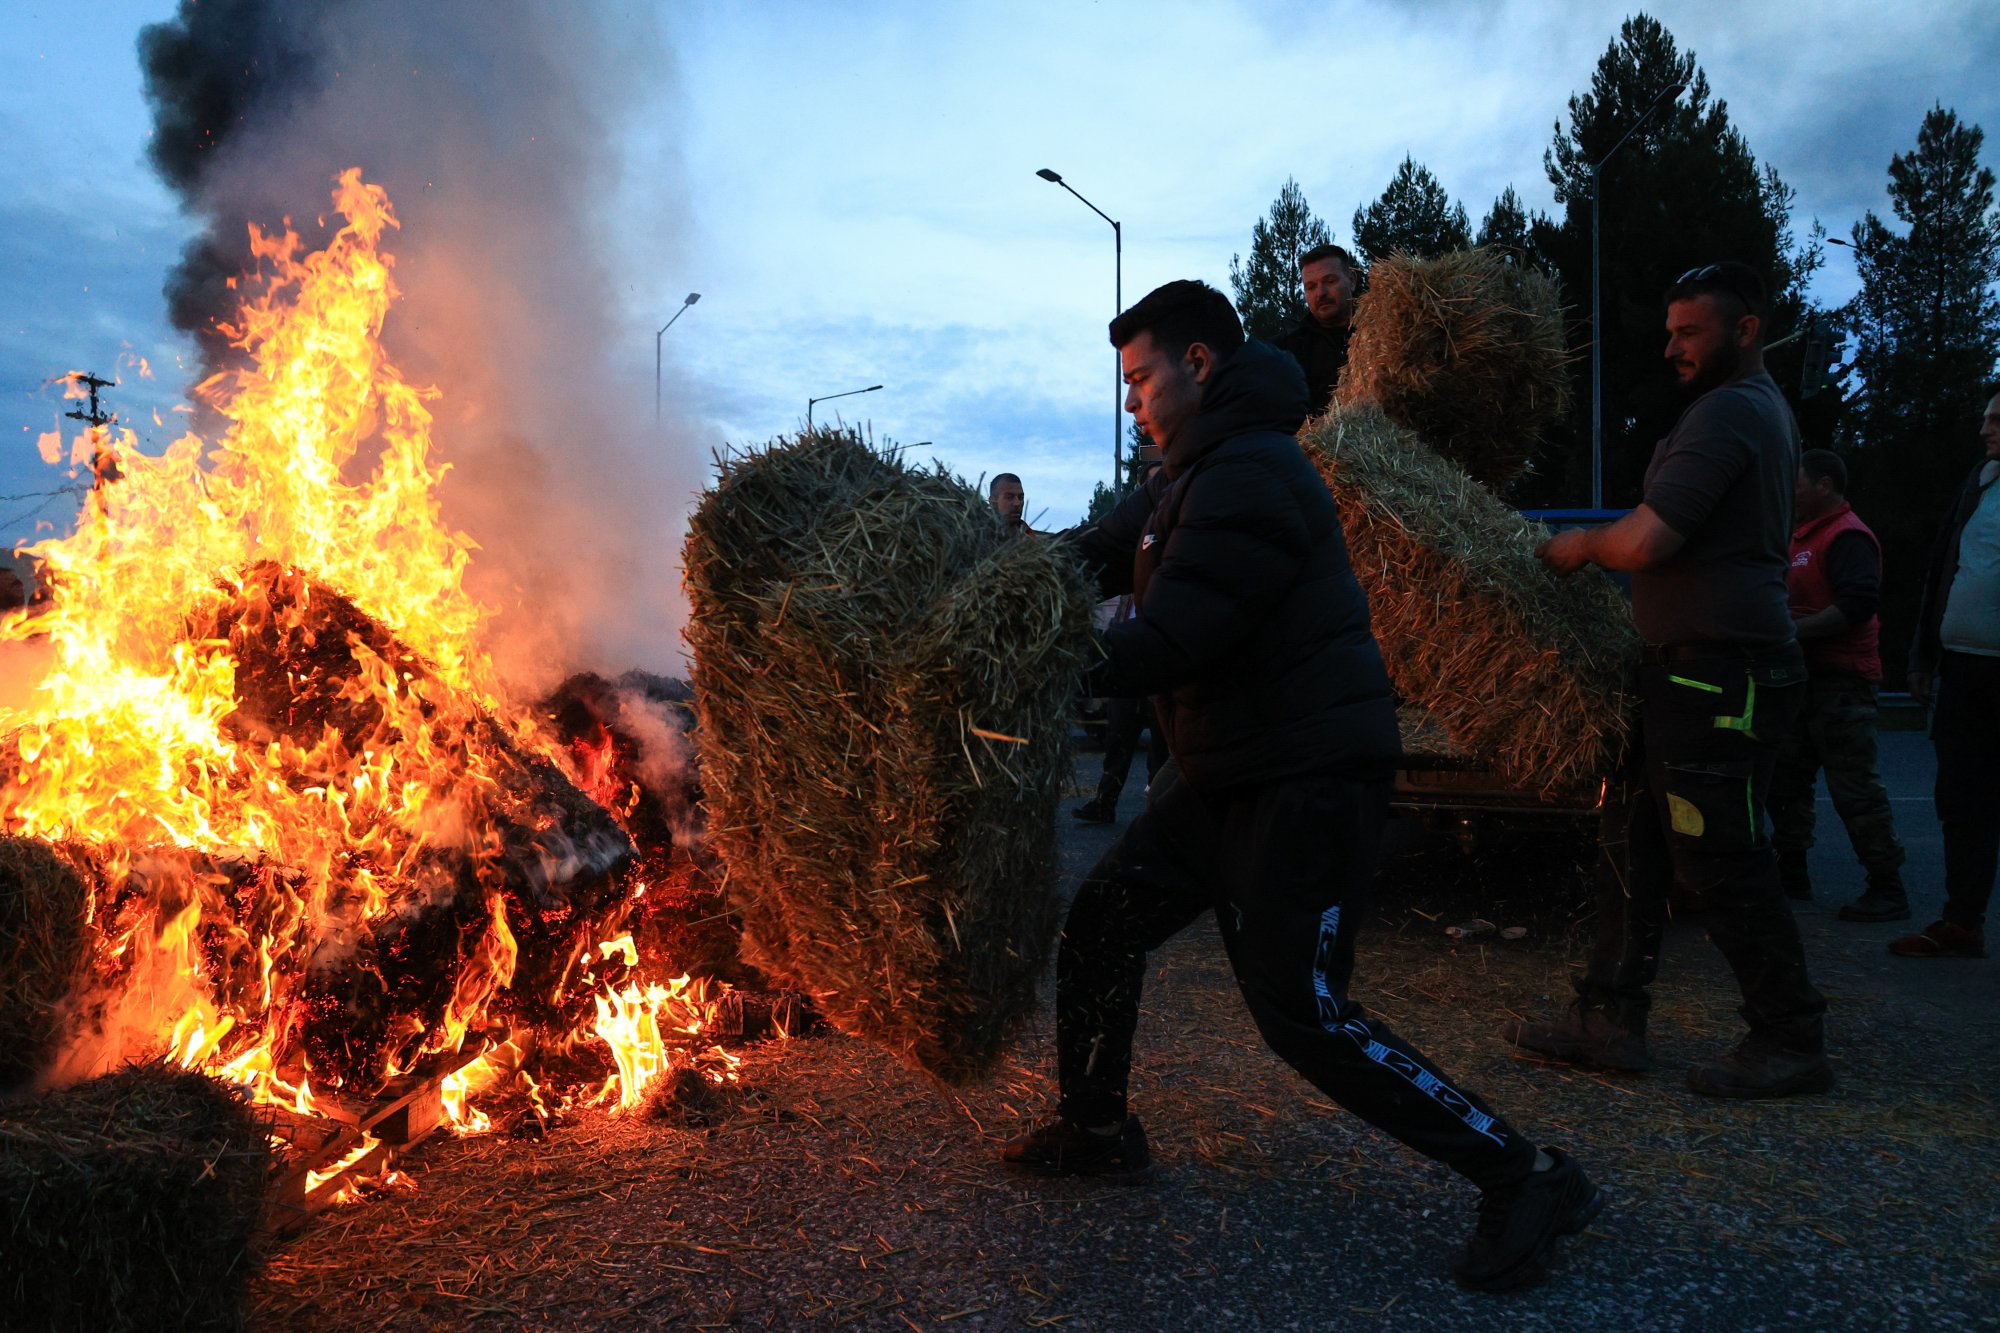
(1252, 636)
(1958, 648)
(1319, 341)
(1720, 683)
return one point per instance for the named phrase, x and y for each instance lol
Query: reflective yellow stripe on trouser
(1685, 818)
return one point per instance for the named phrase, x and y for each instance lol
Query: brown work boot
(1941, 939)
(1761, 1068)
(1585, 1035)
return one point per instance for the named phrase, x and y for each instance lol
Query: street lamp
(1118, 296)
(692, 297)
(1664, 96)
(829, 397)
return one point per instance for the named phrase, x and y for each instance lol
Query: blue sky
(852, 190)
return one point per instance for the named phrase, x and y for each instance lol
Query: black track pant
(1284, 867)
(1966, 731)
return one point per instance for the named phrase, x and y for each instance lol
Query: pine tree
(1508, 226)
(1926, 337)
(1268, 296)
(1926, 323)
(1414, 214)
(1683, 190)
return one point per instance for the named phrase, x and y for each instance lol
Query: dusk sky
(852, 190)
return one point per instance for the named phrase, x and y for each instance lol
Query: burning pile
(884, 677)
(269, 815)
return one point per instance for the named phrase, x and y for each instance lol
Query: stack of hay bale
(1456, 365)
(884, 675)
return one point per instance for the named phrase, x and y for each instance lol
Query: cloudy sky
(852, 189)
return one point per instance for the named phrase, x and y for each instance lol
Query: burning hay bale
(1467, 351)
(130, 1201)
(45, 951)
(496, 904)
(883, 676)
(1525, 670)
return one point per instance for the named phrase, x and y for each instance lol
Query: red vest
(1856, 651)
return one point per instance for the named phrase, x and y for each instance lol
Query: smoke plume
(494, 125)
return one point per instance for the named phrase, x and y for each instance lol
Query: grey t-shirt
(1723, 479)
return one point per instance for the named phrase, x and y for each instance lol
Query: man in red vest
(1834, 583)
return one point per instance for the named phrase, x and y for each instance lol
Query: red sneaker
(1941, 939)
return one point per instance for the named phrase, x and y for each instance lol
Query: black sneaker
(1584, 1035)
(1760, 1068)
(1878, 904)
(1519, 1224)
(1061, 1148)
(1099, 811)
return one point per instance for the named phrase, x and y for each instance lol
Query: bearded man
(1721, 682)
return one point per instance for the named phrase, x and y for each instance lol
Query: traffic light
(1819, 367)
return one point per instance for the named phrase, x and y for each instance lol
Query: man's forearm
(1639, 540)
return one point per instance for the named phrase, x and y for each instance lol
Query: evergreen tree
(1926, 323)
(1508, 226)
(1268, 297)
(1684, 190)
(1414, 214)
(1926, 336)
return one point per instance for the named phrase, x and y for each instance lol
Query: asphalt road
(846, 1192)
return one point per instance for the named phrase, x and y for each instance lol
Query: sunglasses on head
(1702, 274)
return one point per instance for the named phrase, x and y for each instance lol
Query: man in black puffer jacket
(1252, 636)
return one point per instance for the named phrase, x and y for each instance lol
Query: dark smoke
(495, 126)
(216, 67)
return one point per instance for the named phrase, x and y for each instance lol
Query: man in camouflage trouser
(1834, 583)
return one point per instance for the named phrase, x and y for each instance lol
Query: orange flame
(125, 748)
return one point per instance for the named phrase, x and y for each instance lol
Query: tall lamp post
(1118, 297)
(829, 397)
(692, 297)
(1660, 99)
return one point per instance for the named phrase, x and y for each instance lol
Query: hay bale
(883, 677)
(1466, 350)
(130, 1201)
(1525, 670)
(45, 951)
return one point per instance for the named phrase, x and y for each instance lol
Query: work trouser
(1966, 732)
(1696, 783)
(1284, 867)
(1836, 731)
(1124, 719)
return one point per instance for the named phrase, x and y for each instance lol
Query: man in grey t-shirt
(1720, 684)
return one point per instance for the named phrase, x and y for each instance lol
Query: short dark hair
(1820, 464)
(994, 485)
(1179, 315)
(1328, 250)
(1739, 282)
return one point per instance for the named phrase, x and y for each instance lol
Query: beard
(1715, 371)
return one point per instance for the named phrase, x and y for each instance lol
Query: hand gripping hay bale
(1467, 351)
(883, 677)
(130, 1201)
(1525, 670)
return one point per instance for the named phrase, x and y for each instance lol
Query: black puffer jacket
(1251, 631)
(1322, 354)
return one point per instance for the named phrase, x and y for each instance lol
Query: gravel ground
(842, 1191)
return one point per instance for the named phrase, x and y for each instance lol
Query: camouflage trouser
(1836, 731)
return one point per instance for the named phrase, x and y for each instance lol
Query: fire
(652, 1028)
(127, 748)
